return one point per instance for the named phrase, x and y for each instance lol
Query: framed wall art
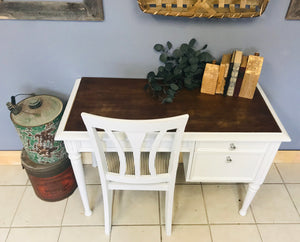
(87, 10)
(293, 12)
(205, 8)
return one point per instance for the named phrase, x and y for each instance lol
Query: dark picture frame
(88, 10)
(293, 12)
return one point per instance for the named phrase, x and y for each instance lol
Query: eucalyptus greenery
(183, 68)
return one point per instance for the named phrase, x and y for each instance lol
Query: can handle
(13, 107)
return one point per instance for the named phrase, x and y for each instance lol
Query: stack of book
(237, 75)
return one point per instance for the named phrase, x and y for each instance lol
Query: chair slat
(120, 151)
(153, 151)
(136, 141)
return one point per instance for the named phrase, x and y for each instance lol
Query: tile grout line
(206, 213)
(285, 185)
(253, 215)
(13, 218)
(256, 224)
(292, 200)
(150, 225)
(62, 219)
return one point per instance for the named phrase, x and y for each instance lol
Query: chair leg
(169, 210)
(107, 204)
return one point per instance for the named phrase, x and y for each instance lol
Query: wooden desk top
(126, 98)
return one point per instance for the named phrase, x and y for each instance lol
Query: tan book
(224, 66)
(236, 60)
(210, 79)
(251, 76)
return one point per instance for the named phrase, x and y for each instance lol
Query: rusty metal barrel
(51, 182)
(45, 160)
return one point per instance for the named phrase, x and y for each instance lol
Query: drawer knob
(232, 146)
(228, 159)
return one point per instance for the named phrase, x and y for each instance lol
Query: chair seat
(161, 162)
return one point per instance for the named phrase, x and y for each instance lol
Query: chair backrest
(135, 131)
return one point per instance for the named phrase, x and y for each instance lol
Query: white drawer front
(232, 146)
(225, 167)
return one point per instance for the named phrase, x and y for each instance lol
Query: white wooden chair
(136, 170)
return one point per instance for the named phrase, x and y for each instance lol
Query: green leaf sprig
(183, 68)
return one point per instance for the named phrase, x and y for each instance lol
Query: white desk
(218, 146)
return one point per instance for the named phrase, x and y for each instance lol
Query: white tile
(289, 172)
(12, 175)
(3, 234)
(294, 190)
(187, 233)
(272, 204)
(235, 233)
(135, 234)
(33, 211)
(280, 232)
(188, 205)
(74, 214)
(135, 207)
(273, 176)
(10, 197)
(91, 174)
(33, 234)
(223, 203)
(80, 234)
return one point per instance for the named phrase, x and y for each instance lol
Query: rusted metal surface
(51, 182)
(37, 128)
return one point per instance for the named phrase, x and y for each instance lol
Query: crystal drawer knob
(232, 146)
(228, 159)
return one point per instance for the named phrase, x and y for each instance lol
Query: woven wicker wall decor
(205, 8)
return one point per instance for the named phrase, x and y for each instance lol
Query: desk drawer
(232, 146)
(225, 166)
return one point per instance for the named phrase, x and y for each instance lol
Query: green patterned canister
(36, 125)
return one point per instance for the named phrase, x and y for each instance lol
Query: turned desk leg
(77, 166)
(260, 176)
(252, 189)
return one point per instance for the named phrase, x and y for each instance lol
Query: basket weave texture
(205, 8)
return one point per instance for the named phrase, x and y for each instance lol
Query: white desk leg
(252, 189)
(75, 157)
(260, 176)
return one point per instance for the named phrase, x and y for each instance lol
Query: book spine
(240, 77)
(239, 81)
(236, 60)
(224, 66)
(227, 80)
(232, 81)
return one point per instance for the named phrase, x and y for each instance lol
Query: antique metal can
(51, 182)
(36, 122)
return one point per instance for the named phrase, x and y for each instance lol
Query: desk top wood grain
(126, 98)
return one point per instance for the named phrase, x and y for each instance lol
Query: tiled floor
(202, 212)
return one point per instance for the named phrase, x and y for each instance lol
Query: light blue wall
(47, 56)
